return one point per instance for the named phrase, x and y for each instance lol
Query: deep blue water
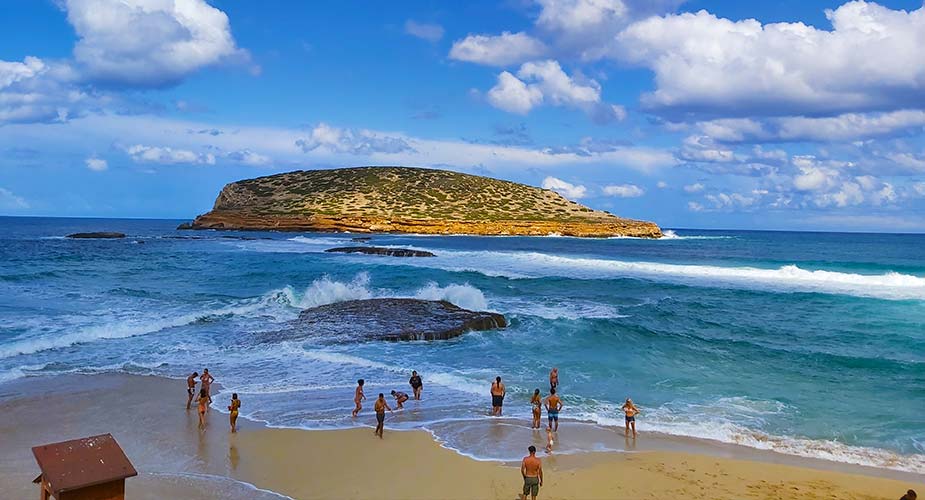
(805, 343)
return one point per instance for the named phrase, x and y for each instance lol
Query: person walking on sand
(203, 404)
(190, 389)
(381, 406)
(630, 411)
(553, 405)
(416, 385)
(207, 380)
(532, 471)
(233, 408)
(554, 378)
(400, 398)
(358, 397)
(497, 396)
(537, 402)
(550, 440)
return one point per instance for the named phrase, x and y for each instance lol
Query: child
(550, 440)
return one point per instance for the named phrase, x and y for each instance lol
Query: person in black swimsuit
(416, 384)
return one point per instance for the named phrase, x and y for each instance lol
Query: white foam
(465, 296)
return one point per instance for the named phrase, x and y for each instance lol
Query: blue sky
(714, 114)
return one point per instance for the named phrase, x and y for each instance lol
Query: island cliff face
(407, 200)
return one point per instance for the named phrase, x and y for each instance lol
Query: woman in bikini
(235, 404)
(630, 410)
(203, 404)
(537, 403)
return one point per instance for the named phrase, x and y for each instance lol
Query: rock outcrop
(407, 200)
(97, 235)
(391, 252)
(390, 320)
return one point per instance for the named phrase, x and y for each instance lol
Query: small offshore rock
(391, 252)
(97, 235)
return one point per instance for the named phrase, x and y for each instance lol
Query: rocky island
(407, 200)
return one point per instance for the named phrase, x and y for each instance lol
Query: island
(100, 235)
(391, 252)
(407, 200)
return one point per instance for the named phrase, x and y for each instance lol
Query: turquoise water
(810, 344)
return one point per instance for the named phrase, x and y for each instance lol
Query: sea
(801, 343)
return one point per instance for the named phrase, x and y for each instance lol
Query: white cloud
(693, 206)
(38, 91)
(497, 50)
(624, 191)
(694, 188)
(545, 82)
(250, 158)
(839, 128)
(703, 149)
(168, 156)
(662, 185)
(149, 43)
(358, 142)
(10, 201)
(731, 201)
(430, 32)
(514, 96)
(871, 59)
(919, 188)
(96, 164)
(570, 191)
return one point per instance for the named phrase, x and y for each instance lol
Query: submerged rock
(361, 239)
(98, 235)
(185, 225)
(391, 320)
(391, 252)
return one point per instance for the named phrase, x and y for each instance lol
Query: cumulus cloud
(149, 43)
(694, 188)
(10, 201)
(570, 191)
(707, 64)
(96, 164)
(545, 82)
(497, 50)
(35, 90)
(430, 32)
(662, 185)
(168, 156)
(624, 191)
(250, 158)
(919, 187)
(350, 141)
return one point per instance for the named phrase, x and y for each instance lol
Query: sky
(782, 114)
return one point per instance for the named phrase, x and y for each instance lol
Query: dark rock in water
(99, 235)
(392, 320)
(185, 225)
(391, 252)
(361, 239)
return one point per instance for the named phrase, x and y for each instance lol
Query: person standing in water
(203, 404)
(550, 440)
(207, 380)
(358, 397)
(553, 405)
(233, 408)
(532, 471)
(400, 398)
(537, 402)
(554, 379)
(190, 389)
(630, 411)
(497, 397)
(416, 385)
(381, 406)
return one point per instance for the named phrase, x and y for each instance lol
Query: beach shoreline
(147, 416)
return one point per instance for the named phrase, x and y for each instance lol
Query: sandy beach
(147, 417)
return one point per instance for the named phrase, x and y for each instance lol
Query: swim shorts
(380, 417)
(531, 486)
(553, 414)
(630, 419)
(497, 400)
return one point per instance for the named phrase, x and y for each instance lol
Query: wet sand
(148, 418)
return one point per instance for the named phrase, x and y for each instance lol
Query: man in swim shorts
(532, 470)
(554, 378)
(497, 396)
(400, 398)
(380, 407)
(190, 389)
(553, 405)
(416, 384)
